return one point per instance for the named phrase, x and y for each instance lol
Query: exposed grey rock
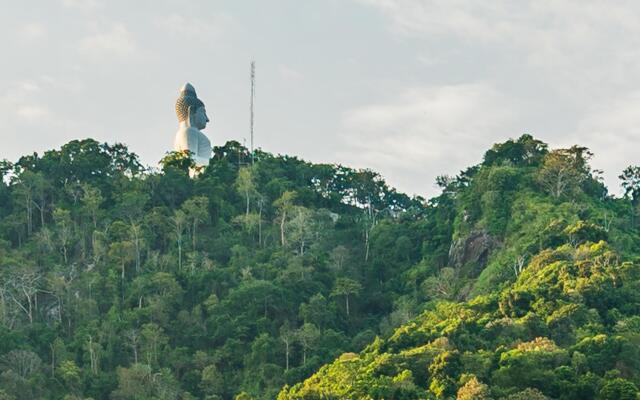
(471, 253)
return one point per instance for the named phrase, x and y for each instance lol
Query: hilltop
(119, 282)
(539, 299)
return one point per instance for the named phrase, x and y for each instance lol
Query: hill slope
(549, 265)
(118, 282)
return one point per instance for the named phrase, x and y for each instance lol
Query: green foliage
(119, 282)
(520, 280)
(505, 339)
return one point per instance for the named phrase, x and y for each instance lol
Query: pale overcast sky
(410, 88)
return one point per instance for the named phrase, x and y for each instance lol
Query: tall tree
(196, 210)
(64, 230)
(284, 204)
(179, 221)
(346, 287)
(630, 178)
(564, 170)
(246, 186)
(307, 336)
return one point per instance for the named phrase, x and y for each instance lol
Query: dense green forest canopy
(123, 282)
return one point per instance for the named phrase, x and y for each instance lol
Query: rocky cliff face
(469, 255)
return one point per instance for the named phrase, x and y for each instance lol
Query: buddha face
(199, 119)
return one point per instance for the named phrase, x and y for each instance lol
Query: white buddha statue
(192, 117)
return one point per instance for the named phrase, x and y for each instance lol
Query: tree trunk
(53, 360)
(4, 306)
(286, 345)
(59, 309)
(92, 357)
(347, 303)
(137, 254)
(260, 226)
(282, 221)
(193, 236)
(29, 215)
(30, 309)
(366, 245)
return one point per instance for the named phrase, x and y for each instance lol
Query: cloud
(612, 132)
(574, 63)
(29, 86)
(33, 31)
(289, 73)
(26, 103)
(206, 28)
(81, 4)
(567, 41)
(33, 113)
(117, 41)
(425, 132)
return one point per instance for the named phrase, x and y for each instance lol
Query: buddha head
(190, 109)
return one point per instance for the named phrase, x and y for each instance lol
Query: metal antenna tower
(253, 95)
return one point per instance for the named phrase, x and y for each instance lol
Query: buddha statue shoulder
(192, 117)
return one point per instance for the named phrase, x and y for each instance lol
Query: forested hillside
(520, 280)
(540, 297)
(123, 283)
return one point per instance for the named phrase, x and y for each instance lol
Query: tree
(122, 253)
(95, 352)
(26, 185)
(315, 311)
(23, 362)
(41, 188)
(307, 336)
(524, 151)
(153, 340)
(134, 383)
(91, 201)
(473, 389)
(196, 211)
(528, 394)
(442, 368)
(250, 223)
(180, 160)
(346, 287)
(338, 257)
(62, 219)
(245, 185)
(5, 396)
(22, 287)
(22, 371)
(564, 170)
(618, 389)
(287, 335)
(135, 233)
(71, 375)
(179, 221)
(212, 381)
(443, 285)
(284, 204)
(132, 337)
(301, 228)
(630, 178)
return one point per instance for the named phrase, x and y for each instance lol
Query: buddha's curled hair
(187, 98)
